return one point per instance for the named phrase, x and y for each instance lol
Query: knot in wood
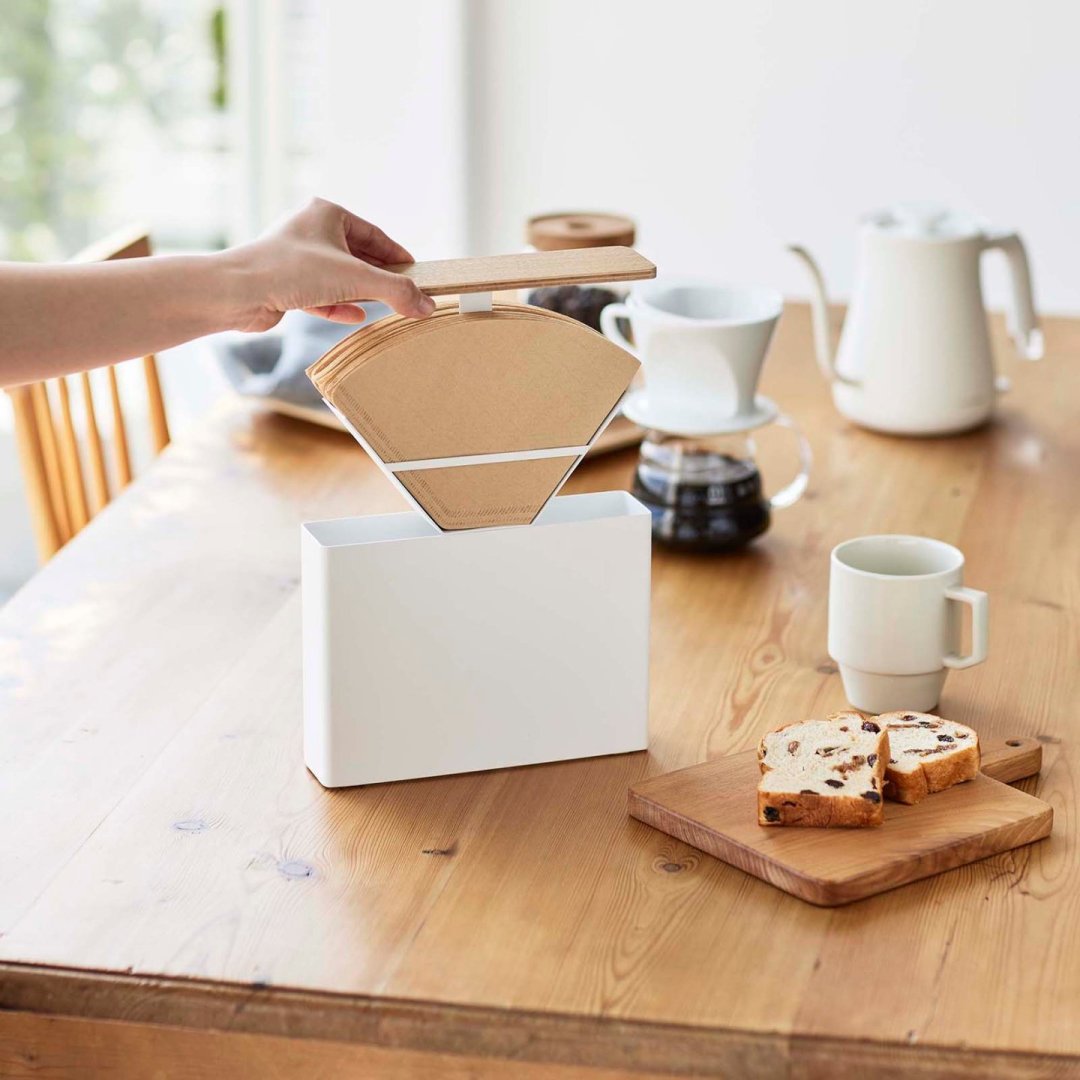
(296, 868)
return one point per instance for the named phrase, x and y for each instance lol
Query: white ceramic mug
(894, 620)
(701, 346)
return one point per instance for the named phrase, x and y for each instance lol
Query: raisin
(771, 813)
(927, 723)
(871, 796)
(834, 783)
(793, 746)
(807, 791)
(871, 759)
(788, 802)
(843, 729)
(892, 761)
(961, 734)
(945, 738)
(825, 751)
(908, 716)
(869, 725)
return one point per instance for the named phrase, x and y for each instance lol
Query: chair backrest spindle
(62, 496)
(42, 512)
(120, 444)
(70, 463)
(46, 431)
(99, 477)
(159, 424)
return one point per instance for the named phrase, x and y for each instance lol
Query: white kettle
(914, 355)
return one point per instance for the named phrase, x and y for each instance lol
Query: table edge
(474, 1030)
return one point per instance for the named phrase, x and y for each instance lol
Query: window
(112, 112)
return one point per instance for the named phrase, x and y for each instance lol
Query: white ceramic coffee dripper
(702, 347)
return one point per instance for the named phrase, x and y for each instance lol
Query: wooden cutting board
(713, 806)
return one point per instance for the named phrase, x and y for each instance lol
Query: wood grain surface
(713, 807)
(32, 1046)
(167, 859)
(527, 270)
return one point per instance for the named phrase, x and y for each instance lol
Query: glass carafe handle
(790, 494)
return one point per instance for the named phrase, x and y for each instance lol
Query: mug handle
(979, 603)
(786, 496)
(610, 327)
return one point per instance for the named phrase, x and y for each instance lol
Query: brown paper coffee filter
(509, 381)
(483, 384)
(478, 496)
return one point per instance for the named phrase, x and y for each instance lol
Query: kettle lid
(924, 221)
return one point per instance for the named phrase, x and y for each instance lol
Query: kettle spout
(819, 312)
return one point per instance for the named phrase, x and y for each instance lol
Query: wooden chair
(63, 496)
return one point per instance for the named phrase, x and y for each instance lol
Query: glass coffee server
(705, 492)
(702, 347)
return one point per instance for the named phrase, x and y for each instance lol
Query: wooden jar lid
(558, 232)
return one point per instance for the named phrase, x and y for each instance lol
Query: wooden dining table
(179, 897)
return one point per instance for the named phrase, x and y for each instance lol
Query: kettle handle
(1021, 319)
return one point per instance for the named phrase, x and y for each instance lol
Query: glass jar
(564, 231)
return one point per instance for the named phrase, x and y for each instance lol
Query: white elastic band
(485, 459)
(480, 301)
(389, 470)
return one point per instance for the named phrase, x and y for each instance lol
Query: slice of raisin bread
(927, 754)
(823, 772)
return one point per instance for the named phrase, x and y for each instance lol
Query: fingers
(325, 259)
(397, 291)
(362, 239)
(367, 241)
(339, 313)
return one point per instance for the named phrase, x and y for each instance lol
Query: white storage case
(429, 652)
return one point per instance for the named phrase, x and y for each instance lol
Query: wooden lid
(558, 232)
(527, 270)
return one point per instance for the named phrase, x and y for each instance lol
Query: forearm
(57, 320)
(62, 319)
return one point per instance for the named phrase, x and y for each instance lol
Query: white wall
(359, 101)
(729, 127)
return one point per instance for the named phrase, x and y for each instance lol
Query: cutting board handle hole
(1013, 742)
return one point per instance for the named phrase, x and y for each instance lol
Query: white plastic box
(429, 652)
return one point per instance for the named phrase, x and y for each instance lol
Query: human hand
(319, 260)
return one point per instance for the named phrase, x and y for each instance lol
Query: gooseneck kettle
(914, 355)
